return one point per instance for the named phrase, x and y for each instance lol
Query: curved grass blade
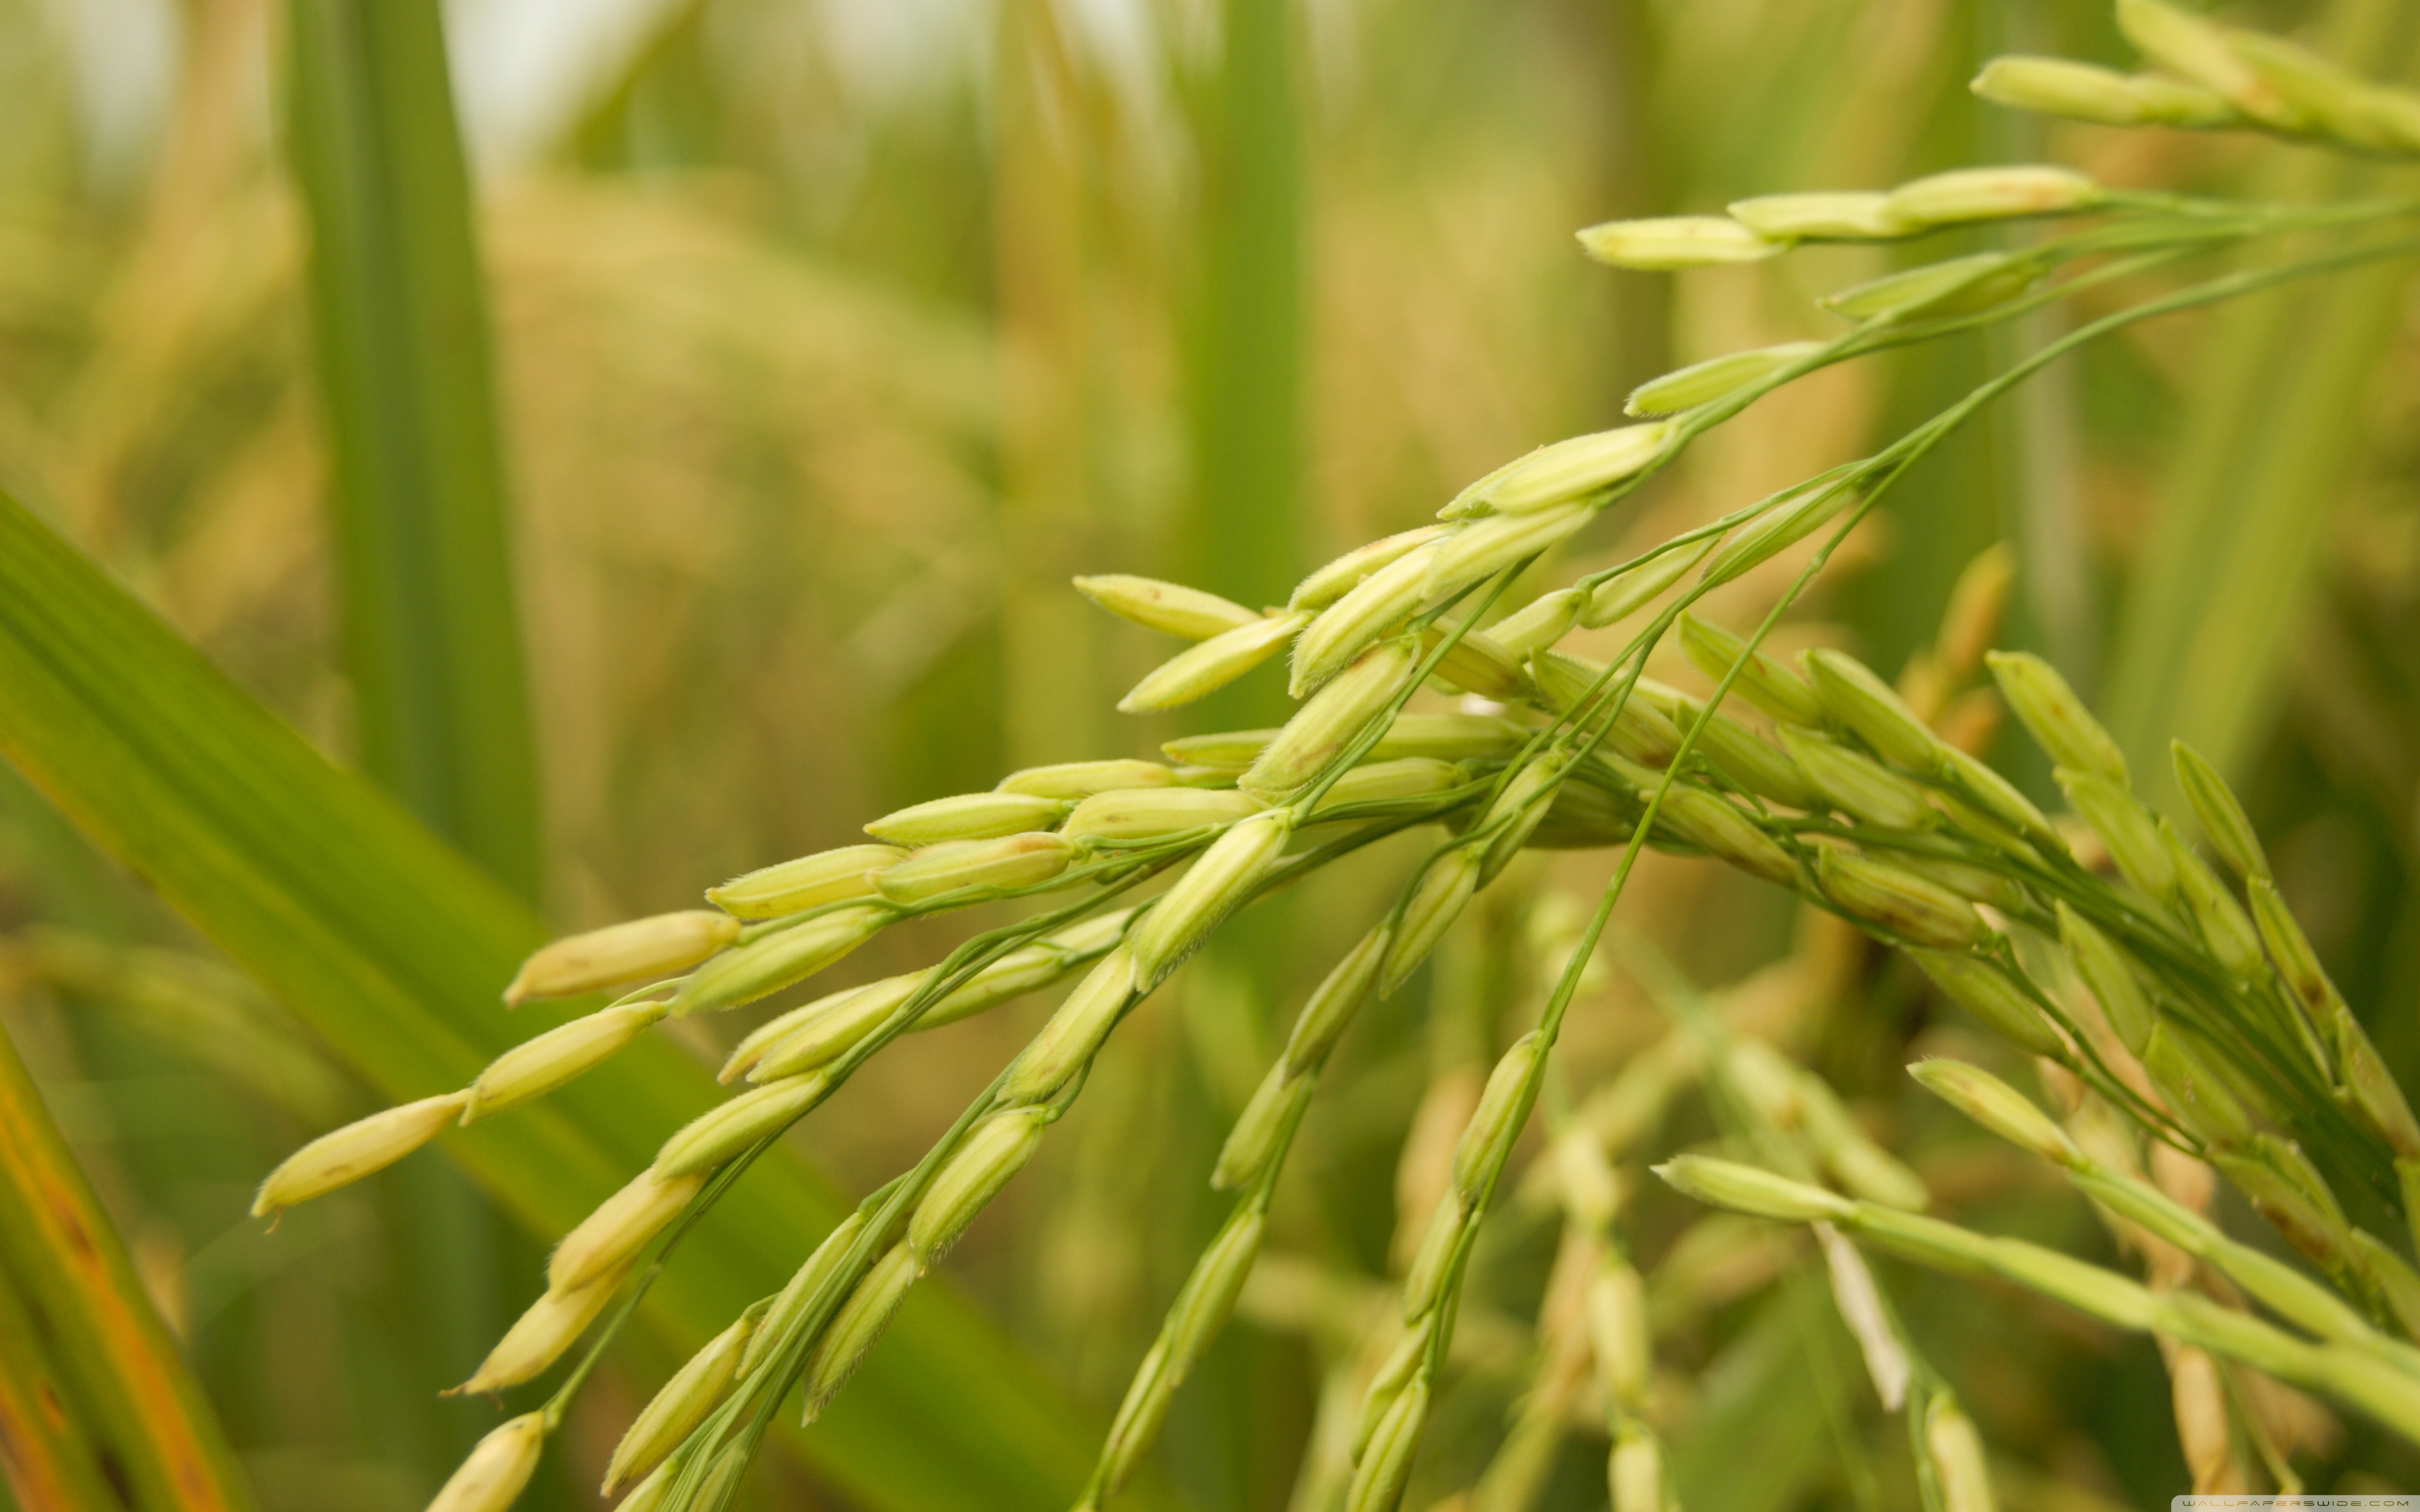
(135, 1431)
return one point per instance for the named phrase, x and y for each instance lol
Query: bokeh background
(830, 337)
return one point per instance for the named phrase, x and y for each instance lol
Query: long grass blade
(434, 643)
(135, 1431)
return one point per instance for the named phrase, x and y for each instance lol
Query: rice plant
(2180, 1025)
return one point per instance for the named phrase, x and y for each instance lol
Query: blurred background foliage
(829, 338)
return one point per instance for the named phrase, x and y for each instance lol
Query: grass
(1545, 1326)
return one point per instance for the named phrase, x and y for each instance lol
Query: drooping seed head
(2081, 91)
(1982, 989)
(1504, 1108)
(1856, 785)
(994, 1151)
(1252, 1143)
(2222, 815)
(634, 951)
(537, 1067)
(2054, 716)
(1724, 1184)
(620, 1227)
(1376, 608)
(2110, 976)
(1072, 781)
(1172, 608)
(2129, 830)
(1449, 737)
(772, 961)
(1334, 580)
(1722, 830)
(2192, 1090)
(1413, 777)
(1790, 520)
(1198, 672)
(724, 1132)
(1330, 721)
(1675, 242)
(1009, 862)
(498, 1466)
(1959, 286)
(2186, 45)
(1332, 1004)
(1617, 1330)
(1957, 1453)
(1565, 471)
(1854, 696)
(1480, 549)
(1074, 1032)
(1546, 620)
(1822, 216)
(1626, 593)
(968, 816)
(539, 1337)
(1765, 683)
(825, 877)
(1221, 881)
(1152, 813)
(343, 1156)
(1918, 910)
(855, 1327)
(2229, 935)
(798, 1295)
(1475, 664)
(1993, 194)
(680, 1404)
(1385, 1463)
(1998, 1107)
(1437, 901)
(1715, 378)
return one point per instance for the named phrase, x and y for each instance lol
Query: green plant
(2170, 1010)
(2102, 944)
